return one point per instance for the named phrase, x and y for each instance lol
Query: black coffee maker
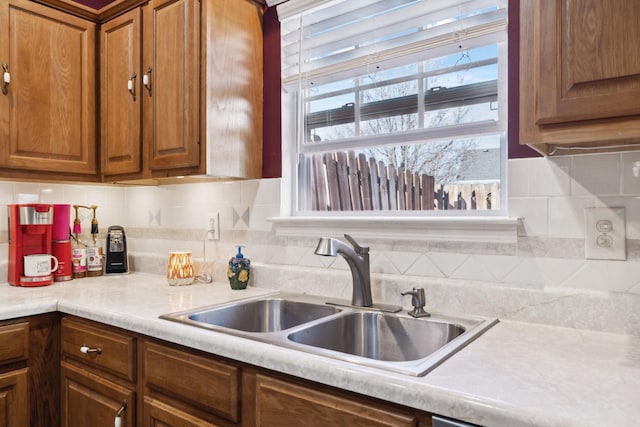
(116, 257)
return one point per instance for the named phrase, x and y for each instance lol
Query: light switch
(605, 234)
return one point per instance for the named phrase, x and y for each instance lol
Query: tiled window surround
(542, 278)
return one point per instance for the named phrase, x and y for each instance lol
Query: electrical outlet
(605, 236)
(213, 226)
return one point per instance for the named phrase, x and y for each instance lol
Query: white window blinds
(325, 40)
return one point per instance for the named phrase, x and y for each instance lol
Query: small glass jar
(180, 268)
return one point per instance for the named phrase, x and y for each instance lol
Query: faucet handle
(359, 249)
(418, 301)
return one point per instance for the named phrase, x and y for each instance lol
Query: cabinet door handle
(146, 80)
(6, 78)
(131, 86)
(88, 350)
(118, 420)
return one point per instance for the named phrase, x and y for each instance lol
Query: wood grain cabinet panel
(152, 126)
(15, 342)
(580, 75)
(281, 403)
(121, 100)
(29, 375)
(100, 383)
(232, 74)
(202, 383)
(159, 414)
(115, 352)
(91, 400)
(48, 113)
(199, 87)
(14, 399)
(172, 106)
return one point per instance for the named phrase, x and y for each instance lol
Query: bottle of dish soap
(239, 270)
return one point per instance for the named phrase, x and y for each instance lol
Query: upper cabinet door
(589, 59)
(171, 51)
(579, 75)
(48, 119)
(121, 94)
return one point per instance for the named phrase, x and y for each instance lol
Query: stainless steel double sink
(390, 341)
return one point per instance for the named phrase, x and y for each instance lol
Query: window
(395, 107)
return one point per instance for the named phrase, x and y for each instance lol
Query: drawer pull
(6, 78)
(118, 420)
(146, 80)
(86, 350)
(131, 86)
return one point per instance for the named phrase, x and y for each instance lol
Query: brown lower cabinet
(29, 377)
(91, 400)
(106, 371)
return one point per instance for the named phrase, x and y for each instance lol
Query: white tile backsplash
(630, 173)
(447, 262)
(423, 266)
(473, 269)
(566, 216)
(549, 178)
(596, 175)
(618, 276)
(534, 212)
(518, 178)
(549, 194)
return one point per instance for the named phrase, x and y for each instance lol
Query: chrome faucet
(358, 260)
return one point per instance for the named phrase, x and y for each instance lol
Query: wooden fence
(349, 182)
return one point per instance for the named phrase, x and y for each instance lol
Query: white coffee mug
(39, 265)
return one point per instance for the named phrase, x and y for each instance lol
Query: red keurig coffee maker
(30, 227)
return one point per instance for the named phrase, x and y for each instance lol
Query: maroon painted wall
(272, 130)
(272, 100)
(96, 4)
(515, 150)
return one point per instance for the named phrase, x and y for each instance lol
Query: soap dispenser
(239, 270)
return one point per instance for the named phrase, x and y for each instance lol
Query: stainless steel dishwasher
(439, 421)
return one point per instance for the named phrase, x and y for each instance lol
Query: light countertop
(515, 374)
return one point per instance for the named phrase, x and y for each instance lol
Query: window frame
(490, 226)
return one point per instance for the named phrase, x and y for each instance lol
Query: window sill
(467, 229)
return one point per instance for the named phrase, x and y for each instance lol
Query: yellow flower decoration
(243, 276)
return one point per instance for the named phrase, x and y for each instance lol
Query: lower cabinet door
(159, 414)
(14, 400)
(90, 400)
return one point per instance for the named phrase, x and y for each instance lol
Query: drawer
(282, 403)
(14, 342)
(104, 348)
(198, 381)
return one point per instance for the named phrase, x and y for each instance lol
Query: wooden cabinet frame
(579, 76)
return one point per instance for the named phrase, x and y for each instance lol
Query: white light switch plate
(605, 236)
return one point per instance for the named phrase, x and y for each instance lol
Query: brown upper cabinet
(120, 97)
(48, 104)
(150, 89)
(181, 90)
(579, 76)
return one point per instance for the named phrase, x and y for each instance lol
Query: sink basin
(380, 337)
(393, 342)
(265, 315)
